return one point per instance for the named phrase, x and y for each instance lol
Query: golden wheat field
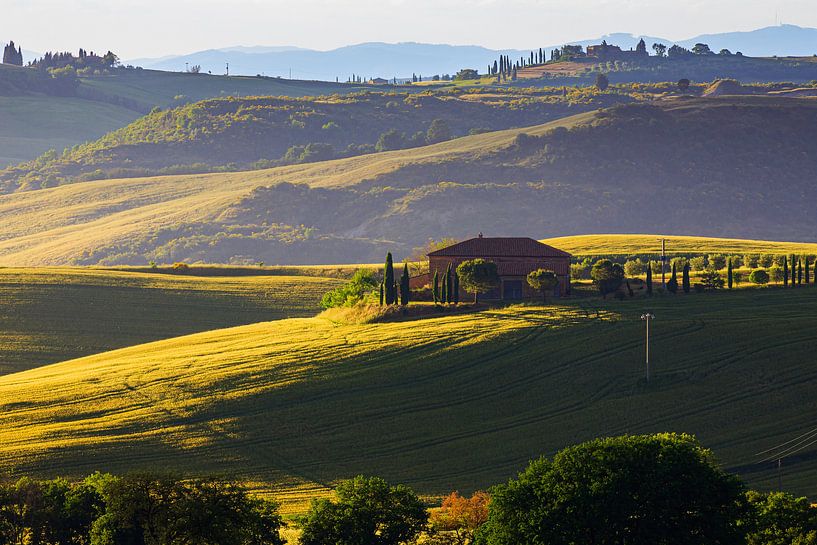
(618, 244)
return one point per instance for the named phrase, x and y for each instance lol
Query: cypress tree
(793, 271)
(436, 288)
(785, 273)
(456, 286)
(799, 272)
(444, 291)
(685, 278)
(729, 276)
(381, 293)
(672, 285)
(808, 273)
(388, 279)
(649, 278)
(405, 286)
(449, 281)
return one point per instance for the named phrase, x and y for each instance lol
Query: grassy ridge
(590, 245)
(51, 315)
(32, 125)
(616, 170)
(456, 402)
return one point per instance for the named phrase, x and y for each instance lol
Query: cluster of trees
(791, 270)
(655, 489)
(135, 510)
(446, 290)
(12, 55)
(438, 131)
(83, 59)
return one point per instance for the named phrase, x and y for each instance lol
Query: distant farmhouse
(605, 51)
(378, 81)
(515, 258)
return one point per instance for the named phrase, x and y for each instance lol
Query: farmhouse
(515, 257)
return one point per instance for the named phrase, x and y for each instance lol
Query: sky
(155, 28)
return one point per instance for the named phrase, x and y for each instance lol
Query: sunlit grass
(642, 244)
(459, 401)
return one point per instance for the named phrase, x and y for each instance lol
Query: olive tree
(543, 280)
(478, 276)
(759, 276)
(607, 276)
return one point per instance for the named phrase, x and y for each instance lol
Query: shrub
(439, 131)
(362, 283)
(759, 276)
(697, 263)
(634, 268)
(180, 267)
(716, 261)
(711, 280)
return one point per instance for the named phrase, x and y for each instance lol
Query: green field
(32, 125)
(455, 402)
(150, 88)
(51, 315)
(590, 245)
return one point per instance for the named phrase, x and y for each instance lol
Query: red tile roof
(500, 247)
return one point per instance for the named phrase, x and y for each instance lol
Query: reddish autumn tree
(459, 517)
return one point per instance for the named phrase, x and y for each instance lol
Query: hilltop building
(378, 81)
(515, 257)
(605, 51)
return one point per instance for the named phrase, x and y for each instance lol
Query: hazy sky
(150, 28)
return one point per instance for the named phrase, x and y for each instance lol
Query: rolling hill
(244, 133)
(51, 315)
(38, 113)
(723, 166)
(455, 402)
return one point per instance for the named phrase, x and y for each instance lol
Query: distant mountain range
(401, 60)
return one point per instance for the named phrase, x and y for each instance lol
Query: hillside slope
(456, 402)
(51, 315)
(38, 113)
(229, 134)
(738, 167)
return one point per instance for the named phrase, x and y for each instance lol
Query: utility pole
(648, 317)
(779, 477)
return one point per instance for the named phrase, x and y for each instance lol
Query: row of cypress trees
(446, 289)
(449, 290)
(390, 294)
(799, 272)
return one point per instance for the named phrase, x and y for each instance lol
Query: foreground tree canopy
(650, 490)
(367, 511)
